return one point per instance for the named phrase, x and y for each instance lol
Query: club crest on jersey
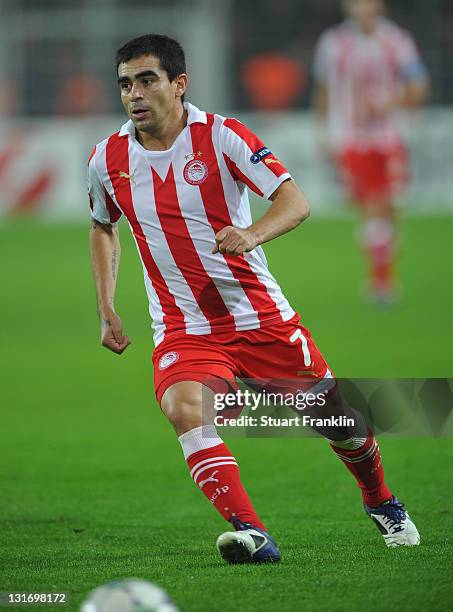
(168, 359)
(195, 172)
(259, 155)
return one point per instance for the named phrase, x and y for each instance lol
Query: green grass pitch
(92, 482)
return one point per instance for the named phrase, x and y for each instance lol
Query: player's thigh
(378, 208)
(364, 175)
(188, 371)
(396, 170)
(350, 170)
(189, 358)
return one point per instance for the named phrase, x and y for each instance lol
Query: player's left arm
(414, 74)
(415, 92)
(105, 256)
(320, 98)
(288, 209)
(252, 164)
(413, 77)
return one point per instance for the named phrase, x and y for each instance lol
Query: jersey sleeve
(249, 160)
(103, 208)
(410, 65)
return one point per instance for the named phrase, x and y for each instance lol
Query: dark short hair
(166, 49)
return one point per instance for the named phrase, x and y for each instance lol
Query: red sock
(215, 471)
(365, 465)
(378, 240)
(382, 267)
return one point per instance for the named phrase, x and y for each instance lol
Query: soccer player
(366, 70)
(180, 177)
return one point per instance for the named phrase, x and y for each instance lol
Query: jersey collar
(194, 115)
(351, 25)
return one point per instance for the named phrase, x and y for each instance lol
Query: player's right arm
(105, 257)
(320, 98)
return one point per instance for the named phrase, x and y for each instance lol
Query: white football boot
(394, 523)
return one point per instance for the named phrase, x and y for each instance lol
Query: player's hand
(234, 240)
(379, 109)
(112, 336)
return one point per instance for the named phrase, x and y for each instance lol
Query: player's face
(147, 94)
(364, 10)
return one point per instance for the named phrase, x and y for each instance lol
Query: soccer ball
(130, 595)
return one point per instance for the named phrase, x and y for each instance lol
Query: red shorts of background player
(372, 175)
(282, 351)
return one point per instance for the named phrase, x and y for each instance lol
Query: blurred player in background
(366, 70)
(180, 177)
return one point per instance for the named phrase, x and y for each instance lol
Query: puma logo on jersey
(272, 161)
(129, 177)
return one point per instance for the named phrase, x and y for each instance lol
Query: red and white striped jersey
(175, 202)
(362, 73)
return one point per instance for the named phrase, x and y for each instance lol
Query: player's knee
(182, 405)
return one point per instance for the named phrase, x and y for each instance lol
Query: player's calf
(215, 471)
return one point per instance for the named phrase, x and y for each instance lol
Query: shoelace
(394, 513)
(239, 525)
